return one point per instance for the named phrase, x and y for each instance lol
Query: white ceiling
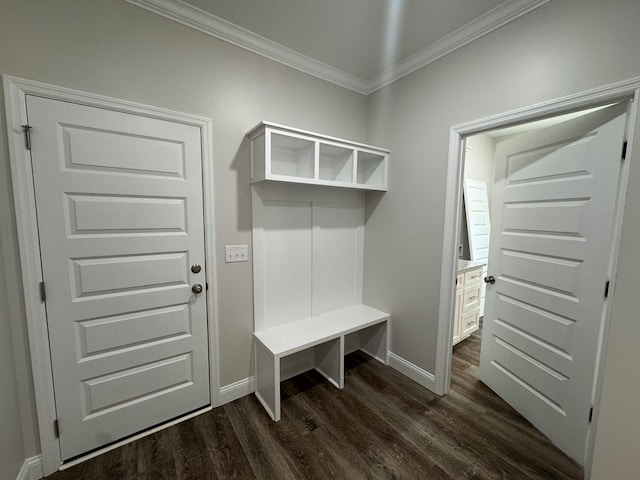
(359, 44)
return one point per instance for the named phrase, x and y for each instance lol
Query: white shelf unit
(286, 154)
(308, 267)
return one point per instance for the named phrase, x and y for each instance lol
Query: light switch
(236, 253)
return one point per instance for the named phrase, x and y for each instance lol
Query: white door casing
(478, 226)
(120, 217)
(551, 250)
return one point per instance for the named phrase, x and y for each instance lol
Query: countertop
(466, 265)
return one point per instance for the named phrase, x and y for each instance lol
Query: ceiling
(359, 44)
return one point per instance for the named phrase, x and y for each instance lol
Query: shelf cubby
(292, 156)
(286, 154)
(371, 168)
(336, 163)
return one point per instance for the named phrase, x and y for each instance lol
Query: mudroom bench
(330, 336)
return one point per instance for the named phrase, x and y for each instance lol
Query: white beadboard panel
(287, 261)
(337, 266)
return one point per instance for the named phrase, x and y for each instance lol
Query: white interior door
(120, 219)
(552, 214)
(478, 226)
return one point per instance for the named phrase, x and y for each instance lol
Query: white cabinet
(466, 318)
(285, 154)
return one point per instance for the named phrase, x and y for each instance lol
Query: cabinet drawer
(471, 298)
(470, 323)
(460, 281)
(472, 277)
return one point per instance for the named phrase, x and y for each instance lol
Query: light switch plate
(236, 253)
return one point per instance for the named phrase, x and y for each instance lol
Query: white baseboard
(31, 469)
(236, 390)
(415, 373)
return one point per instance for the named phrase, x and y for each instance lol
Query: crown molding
(210, 24)
(487, 23)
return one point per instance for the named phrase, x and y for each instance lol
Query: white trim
(632, 121)
(205, 22)
(15, 90)
(487, 23)
(408, 369)
(133, 438)
(625, 90)
(210, 24)
(236, 390)
(31, 469)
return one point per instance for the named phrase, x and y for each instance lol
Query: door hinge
(56, 428)
(27, 136)
(590, 414)
(624, 150)
(43, 292)
(606, 289)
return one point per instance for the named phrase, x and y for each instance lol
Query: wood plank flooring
(381, 426)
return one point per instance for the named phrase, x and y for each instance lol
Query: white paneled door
(478, 226)
(120, 219)
(550, 254)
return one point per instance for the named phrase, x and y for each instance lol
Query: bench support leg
(374, 341)
(267, 380)
(329, 359)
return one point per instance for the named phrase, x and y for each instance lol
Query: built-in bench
(325, 334)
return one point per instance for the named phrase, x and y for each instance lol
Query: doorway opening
(473, 148)
(474, 228)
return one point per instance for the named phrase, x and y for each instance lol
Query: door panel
(120, 219)
(553, 208)
(478, 226)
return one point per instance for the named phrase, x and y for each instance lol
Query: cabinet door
(469, 323)
(456, 316)
(471, 298)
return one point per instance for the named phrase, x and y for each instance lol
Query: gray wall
(564, 47)
(12, 452)
(113, 48)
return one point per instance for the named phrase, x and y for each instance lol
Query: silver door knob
(489, 279)
(197, 288)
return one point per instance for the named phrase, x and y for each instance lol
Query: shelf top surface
(276, 126)
(300, 334)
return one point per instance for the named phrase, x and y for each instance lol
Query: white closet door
(553, 209)
(120, 219)
(478, 226)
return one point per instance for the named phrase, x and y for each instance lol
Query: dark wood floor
(382, 425)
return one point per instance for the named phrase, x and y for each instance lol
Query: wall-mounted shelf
(286, 154)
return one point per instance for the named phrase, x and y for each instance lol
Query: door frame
(15, 91)
(621, 91)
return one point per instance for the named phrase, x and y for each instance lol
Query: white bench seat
(326, 335)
